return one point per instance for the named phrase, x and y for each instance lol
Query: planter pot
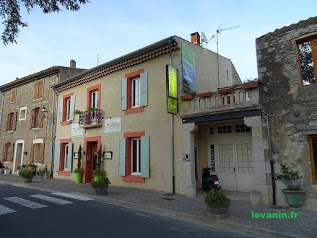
(294, 198)
(7, 171)
(27, 179)
(98, 177)
(1, 171)
(219, 212)
(78, 177)
(101, 190)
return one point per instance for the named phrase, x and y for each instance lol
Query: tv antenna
(218, 31)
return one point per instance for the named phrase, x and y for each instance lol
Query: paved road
(34, 213)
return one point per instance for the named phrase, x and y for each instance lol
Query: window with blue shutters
(66, 108)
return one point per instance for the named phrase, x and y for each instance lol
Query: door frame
(87, 176)
(15, 154)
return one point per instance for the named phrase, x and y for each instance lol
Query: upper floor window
(36, 118)
(134, 92)
(38, 90)
(67, 108)
(307, 50)
(14, 95)
(22, 115)
(11, 121)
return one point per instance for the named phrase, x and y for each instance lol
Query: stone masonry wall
(291, 107)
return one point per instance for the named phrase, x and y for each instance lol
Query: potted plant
(99, 172)
(27, 173)
(218, 205)
(251, 83)
(7, 170)
(101, 186)
(78, 172)
(294, 193)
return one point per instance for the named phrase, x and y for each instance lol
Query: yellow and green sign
(171, 105)
(171, 74)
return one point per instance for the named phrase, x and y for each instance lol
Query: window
(67, 108)
(211, 130)
(36, 118)
(134, 92)
(11, 121)
(307, 55)
(13, 95)
(22, 115)
(313, 156)
(7, 151)
(224, 129)
(212, 158)
(37, 153)
(94, 104)
(242, 128)
(38, 90)
(134, 157)
(64, 157)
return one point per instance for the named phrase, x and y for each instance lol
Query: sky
(104, 30)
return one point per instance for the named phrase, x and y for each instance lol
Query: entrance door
(227, 167)
(18, 156)
(245, 166)
(91, 161)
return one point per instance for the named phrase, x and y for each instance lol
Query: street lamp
(44, 112)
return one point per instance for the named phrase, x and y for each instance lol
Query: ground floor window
(37, 153)
(134, 157)
(7, 151)
(64, 156)
(313, 156)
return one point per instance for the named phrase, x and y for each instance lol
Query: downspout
(172, 131)
(53, 130)
(1, 109)
(267, 121)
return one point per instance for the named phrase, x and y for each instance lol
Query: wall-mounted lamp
(44, 112)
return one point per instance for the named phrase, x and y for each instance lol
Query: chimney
(72, 63)
(195, 38)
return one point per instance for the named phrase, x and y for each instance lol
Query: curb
(215, 223)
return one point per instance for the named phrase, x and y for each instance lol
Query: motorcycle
(209, 181)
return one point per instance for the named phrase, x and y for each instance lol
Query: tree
(10, 12)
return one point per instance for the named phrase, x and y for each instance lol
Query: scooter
(209, 181)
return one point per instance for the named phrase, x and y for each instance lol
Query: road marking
(142, 215)
(68, 195)
(25, 203)
(5, 210)
(51, 199)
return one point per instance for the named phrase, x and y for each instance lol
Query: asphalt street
(34, 213)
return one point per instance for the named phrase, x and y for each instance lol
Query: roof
(136, 57)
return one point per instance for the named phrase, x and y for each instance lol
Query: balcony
(221, 101)
(90, 119)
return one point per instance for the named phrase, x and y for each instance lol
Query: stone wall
(291, 107)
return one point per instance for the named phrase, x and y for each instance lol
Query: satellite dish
(204, 38)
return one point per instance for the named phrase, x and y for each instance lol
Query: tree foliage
(12, 20)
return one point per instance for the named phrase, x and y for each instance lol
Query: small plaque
(186, 157)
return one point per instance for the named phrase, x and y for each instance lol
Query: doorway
(91, 160)
(18, 155)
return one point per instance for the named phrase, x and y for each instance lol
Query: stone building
(26, 132)
(122, 107)
(287, 60)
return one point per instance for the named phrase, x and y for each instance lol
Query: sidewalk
(189, 209)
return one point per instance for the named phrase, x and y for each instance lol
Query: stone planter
(101, 190)
(295, 199)
(219, 212)
(7, 171)
(27, 179)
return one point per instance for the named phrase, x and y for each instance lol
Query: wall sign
(113, 126)
(77, 131)
(189, 70)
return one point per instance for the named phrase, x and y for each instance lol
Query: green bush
(101, 183)
(26, 173)
(215, 199)
(291, 179)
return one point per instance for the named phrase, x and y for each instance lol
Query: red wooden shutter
(15, 115)
(11, 151)
(4, 149)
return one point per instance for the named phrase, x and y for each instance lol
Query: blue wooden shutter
(122, 157)
(70, 157)
(60, 108)
(143, 89)
(124, 94)
(57, 156)
(145, 156)
(72, 107)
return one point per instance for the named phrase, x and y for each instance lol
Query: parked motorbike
(209, 181)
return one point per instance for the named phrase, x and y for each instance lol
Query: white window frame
(135, 93)
(138, 154)
(94, 99)
(68, 109)
(25, 110)
(66, 156)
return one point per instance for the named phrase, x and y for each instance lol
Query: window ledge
(38, 99)
(134, 178)
(9, 132)
(35, 129)
(66, 123)
(64, 173)
(134, 110)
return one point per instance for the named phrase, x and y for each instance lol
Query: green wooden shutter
(145, 156)
(70, 157)
(122, 157)
(72, 107)
(57, 156)
(143, 89)
(124, 94)
(60, 108)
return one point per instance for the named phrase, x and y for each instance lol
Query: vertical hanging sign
(171, 88)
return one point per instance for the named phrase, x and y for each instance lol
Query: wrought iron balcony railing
(90, 118)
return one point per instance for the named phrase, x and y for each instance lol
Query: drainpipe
(53, 130)
(267, 121)
(172, 131)
(1, 109)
